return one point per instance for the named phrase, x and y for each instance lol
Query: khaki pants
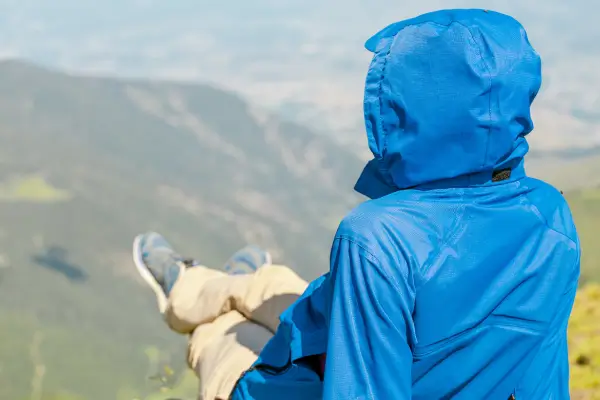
(229, 318)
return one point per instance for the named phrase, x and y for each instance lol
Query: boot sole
(138, 260)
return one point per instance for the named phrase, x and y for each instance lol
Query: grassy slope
(66, 360)
(584, 344)
(88, 163)
(584, 341)
(585, 206)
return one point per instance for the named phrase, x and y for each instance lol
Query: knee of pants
(273, 289)
(283, 279)
(188, 300)
(182, 314)
(178, 323)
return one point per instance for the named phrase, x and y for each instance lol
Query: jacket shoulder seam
(369, 254)
(360, 245)
(543, 219)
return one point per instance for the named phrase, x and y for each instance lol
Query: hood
(447, 101)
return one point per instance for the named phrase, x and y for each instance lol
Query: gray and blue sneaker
(247, 260)
(158, 264)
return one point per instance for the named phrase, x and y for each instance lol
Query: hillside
(584, 344)
(88, 163)
(301, 57)
(568, 171)
(585, 205)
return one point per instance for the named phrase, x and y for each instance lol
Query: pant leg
(202, 294)
(220, 351)
(230, 319)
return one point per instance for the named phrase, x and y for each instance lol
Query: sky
(302, 58)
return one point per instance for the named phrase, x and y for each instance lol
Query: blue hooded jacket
(457, 279)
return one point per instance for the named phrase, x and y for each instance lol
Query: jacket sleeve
(371, 333)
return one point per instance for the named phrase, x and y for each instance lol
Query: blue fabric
(448, 283)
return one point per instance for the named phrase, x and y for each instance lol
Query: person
(456, 278)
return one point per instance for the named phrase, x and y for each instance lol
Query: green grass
(186, 387)
(591, 195)
(584, 344)
(73, 364)
(31, 188)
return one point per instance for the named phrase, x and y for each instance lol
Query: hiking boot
(158, 264)
(247, 260)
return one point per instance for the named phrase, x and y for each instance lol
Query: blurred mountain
(87, 163)
(300, 57)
